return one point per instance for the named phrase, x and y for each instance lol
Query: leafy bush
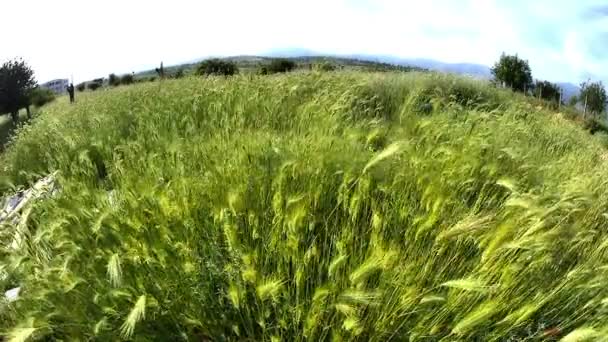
(94, 85)
(595, 125)
(41, 96)
(325, 67)
(113, 80)
(179, 73)
(547, 91)
(126, 79)
(217, 67)
(279, 65)
(81, 86)
(593, 96)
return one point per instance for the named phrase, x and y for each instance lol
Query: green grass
(7, 127)
(340, 206)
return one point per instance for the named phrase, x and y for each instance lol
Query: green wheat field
(340, 206)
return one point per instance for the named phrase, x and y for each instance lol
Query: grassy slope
(7, 127)
(251, 64)
(310, 207)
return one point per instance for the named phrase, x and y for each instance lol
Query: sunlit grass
(310, 207)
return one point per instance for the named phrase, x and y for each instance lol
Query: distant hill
(476, 70)
(248, 63)
(470, 69)
(569, 90)
(359, 61)
(467, 69)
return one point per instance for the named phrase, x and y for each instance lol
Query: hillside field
(251, 65)
(311, 206)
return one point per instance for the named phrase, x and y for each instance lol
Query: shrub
(593, 96)
(217, 67)
(113, 80)
(179, 73)
(326, 67)
(547, 91)
(280, 65)
(152, 79)
(41, 96)
(594, 125)
(126, 79)
(263, 70)
(81, 86)
(94, 85)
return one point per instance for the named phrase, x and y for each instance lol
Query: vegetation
(278, 65)
(41, 96)
(308, 207)
(94, 85)
(179, 73)
(217, 67)
(547, 91)
(326, 67)
(81, 86)
(16, 83)
(593, 96)
(126, 79)
(513, 72)
(257, 65)
(113, 80)
(573, 101)
(7, 128)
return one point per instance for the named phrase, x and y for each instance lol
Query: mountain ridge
(460, 68)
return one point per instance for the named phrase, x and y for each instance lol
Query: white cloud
(90, 39)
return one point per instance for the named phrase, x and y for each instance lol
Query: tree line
(513, 72)
(19, 89)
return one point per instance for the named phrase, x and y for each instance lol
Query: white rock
(12, 294)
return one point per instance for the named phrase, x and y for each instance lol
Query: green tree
(81, 86)
(16, 83)
(573, 101)
(325, 67)
(94, 85)
(280, 65)
(547, 91)
(179, 73)
(113, 80)
(593, 97)
(513, 72)
(217, 67)
(126, 79)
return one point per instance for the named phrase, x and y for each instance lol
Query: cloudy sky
(564, 40)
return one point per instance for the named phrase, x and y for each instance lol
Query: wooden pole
(585, 109)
